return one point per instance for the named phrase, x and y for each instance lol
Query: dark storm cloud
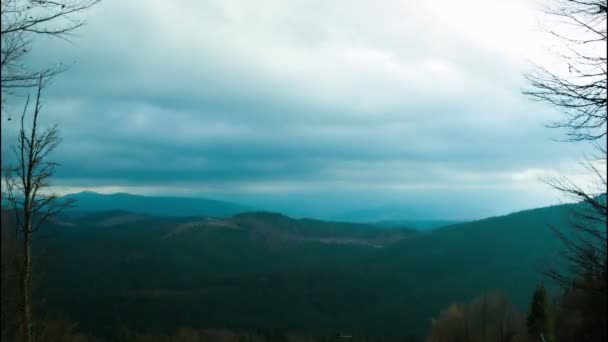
(315, 95)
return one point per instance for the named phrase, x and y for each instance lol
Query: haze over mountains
(386, 216)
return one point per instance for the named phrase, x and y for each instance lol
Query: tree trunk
(26, 291)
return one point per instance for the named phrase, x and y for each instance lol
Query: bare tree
(586, 249)
(22, 21)
(32, 205)
(581, 95)
(581, 92)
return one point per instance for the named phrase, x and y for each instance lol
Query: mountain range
(88, 201)
(261, 270)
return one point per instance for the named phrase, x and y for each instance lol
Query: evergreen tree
(539, 318)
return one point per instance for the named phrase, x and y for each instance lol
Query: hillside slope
(257, 271)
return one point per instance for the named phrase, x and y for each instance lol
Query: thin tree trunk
(26, 293)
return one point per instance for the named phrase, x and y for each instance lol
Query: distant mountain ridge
(174, 206)
(89, 201)
(417, 224)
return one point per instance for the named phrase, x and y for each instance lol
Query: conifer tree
(539, 318)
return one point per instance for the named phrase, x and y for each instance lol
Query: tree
(585, 244)
(539, 322)
(580, 316)
(22, 21)
(487, 318)
(581, 95)
(26, 184)
(581, 92)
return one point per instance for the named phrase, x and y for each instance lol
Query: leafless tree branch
(22, 22)
(580, 95)
(25, 183)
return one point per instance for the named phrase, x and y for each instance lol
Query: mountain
(264, 271)
(454, 263)
(416, 224)
(88, 201)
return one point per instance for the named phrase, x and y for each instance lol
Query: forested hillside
(265, 272)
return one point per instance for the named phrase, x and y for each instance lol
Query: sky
(318, 108)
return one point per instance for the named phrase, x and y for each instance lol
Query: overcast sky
(312, 106)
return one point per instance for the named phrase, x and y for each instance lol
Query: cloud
(342, 97)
